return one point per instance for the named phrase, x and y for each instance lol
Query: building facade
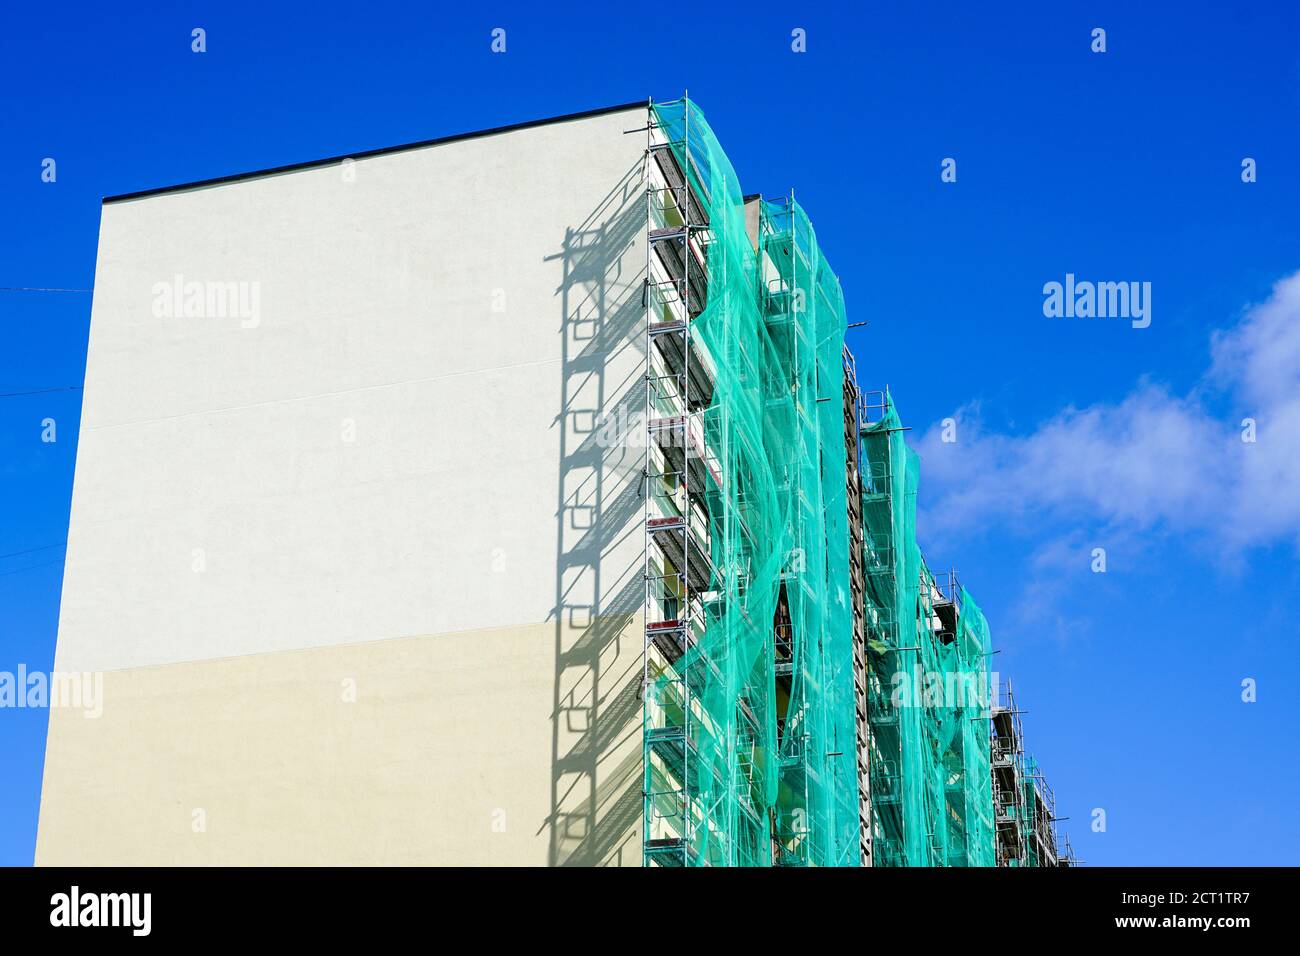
(505, 499)
(364, 585)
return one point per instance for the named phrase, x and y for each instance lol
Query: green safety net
(1031, 815)
(750, 738)
(972, 834)
(928, 704)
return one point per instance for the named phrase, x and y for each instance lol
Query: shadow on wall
(599, 590)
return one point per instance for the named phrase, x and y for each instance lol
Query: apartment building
(503, 499)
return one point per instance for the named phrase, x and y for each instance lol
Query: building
(951, 784)
(751, 734)
(929, 676)
(1023, 801)
(503, 499)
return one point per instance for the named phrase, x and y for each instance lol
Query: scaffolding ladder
(677, 570)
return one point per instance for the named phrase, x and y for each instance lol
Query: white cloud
(1153, 460)
(1261, 355)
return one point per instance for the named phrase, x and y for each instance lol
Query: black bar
(933, 908)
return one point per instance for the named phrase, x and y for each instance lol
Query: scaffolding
(927, 674)
(749, 737)
(1009, 783)
(858, 598)
(813, 693)
(1066, 856)
(803, 312)
(1025, 804)
(1041, 800)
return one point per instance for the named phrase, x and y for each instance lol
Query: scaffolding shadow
(595, 804)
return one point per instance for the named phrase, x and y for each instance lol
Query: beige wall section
(221, 515)
(443, 757)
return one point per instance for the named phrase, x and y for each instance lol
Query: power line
(14, 554)
(47, 564)
(16, 288)
(42, 391)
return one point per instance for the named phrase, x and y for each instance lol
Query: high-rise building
(503, 499)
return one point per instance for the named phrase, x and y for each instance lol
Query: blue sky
(1072, 434)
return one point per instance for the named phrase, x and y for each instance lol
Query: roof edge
(366, 154)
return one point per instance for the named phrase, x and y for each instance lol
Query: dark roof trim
(310, 164)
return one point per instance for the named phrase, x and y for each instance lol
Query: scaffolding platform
(670, 244)
(674, 640)
(671, 534)
(675, 182)
(675, 438)
(670, 340)
(947, 605)
(669, 852)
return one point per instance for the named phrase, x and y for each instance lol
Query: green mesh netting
(928, 643)
(1033, 815)
(750, 754)
(972, 829)
(750, 738)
